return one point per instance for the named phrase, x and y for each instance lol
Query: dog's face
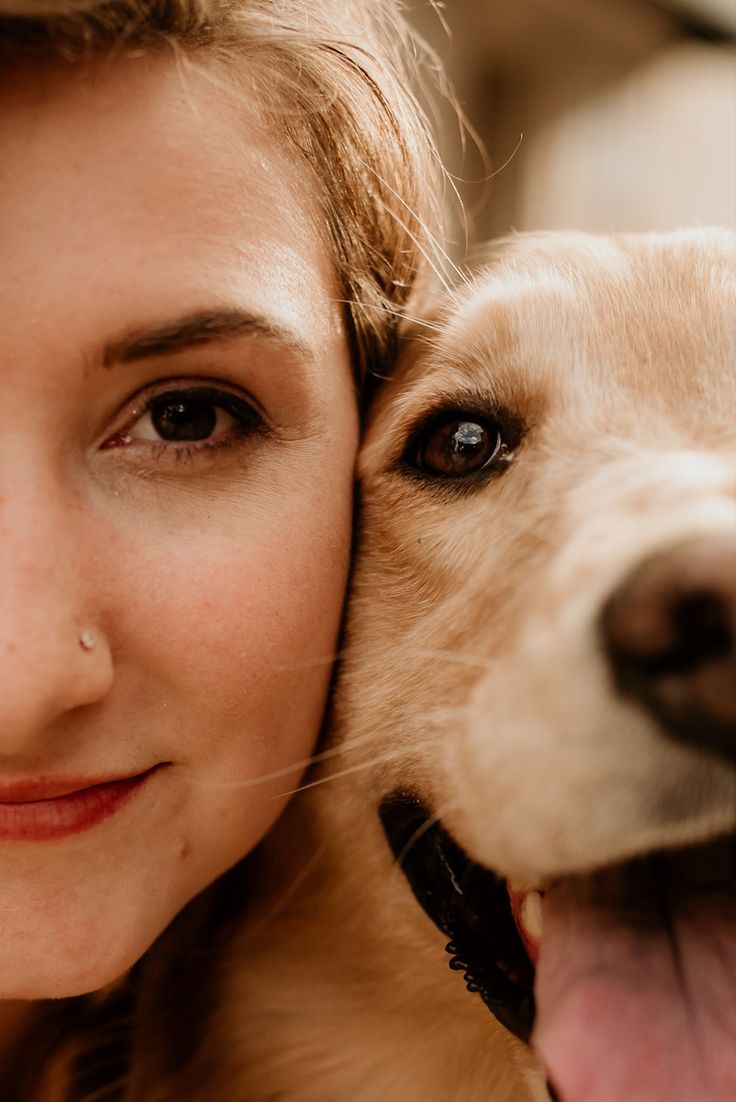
(541, 641)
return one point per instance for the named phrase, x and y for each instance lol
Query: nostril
(702, 630)
(698, 632)
(669, 633)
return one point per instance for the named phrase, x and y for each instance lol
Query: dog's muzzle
(636, 960)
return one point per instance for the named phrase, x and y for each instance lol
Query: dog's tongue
(636, 991)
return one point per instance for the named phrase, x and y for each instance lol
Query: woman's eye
(190, 416)
(183, 417)
(457, 446)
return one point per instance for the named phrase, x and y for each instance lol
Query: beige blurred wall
(623, 118)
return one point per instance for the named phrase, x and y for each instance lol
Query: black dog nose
(669, 631)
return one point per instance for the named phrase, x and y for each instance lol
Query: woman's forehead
(138, 178)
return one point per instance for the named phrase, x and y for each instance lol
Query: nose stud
(86, 640)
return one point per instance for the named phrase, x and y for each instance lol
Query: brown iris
(456, 446)
(183, 417)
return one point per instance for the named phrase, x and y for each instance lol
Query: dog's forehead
(613, 308)
(651, 314)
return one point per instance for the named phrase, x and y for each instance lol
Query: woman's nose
(54, 654)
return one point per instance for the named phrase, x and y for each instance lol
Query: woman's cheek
(251, 604)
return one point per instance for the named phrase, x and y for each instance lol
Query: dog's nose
(669, 631)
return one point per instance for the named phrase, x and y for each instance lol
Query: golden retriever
(532, 754)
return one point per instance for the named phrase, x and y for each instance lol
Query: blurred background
(596, 114)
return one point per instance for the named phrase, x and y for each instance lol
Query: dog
(531, 760)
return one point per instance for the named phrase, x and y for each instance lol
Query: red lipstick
(46, 809)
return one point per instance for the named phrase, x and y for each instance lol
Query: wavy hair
(335, 77)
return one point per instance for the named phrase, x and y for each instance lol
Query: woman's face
(176, 453)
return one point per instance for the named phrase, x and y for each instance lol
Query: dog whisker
(287, 770)
(458, 657)
(345, 747)
(436, 817)
(369, 764)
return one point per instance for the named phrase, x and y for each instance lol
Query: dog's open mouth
(623, 979)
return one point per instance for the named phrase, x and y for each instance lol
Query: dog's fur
(473, 674)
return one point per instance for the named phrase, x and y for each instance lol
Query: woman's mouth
(44, 810)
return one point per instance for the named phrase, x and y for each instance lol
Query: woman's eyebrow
(199, 328)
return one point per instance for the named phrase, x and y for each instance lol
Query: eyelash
(248, 422)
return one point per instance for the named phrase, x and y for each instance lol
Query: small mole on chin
(185, 850)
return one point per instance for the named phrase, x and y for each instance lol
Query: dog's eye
(456, 446)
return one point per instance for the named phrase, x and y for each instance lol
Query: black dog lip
(470, 906)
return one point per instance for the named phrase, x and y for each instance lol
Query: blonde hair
(335, 77)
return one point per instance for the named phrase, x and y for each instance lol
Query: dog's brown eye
(455, 447)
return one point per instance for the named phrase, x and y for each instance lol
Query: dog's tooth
(530, 915)
(521, 887)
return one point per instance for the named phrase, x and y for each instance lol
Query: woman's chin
(36, 983)
(66, 936)
(49, 966)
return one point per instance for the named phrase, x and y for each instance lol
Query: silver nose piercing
(87, 640)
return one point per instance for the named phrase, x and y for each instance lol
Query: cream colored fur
(472, 673)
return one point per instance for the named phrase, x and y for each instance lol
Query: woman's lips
(43, 810)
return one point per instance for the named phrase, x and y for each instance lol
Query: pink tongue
(629, 1010)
